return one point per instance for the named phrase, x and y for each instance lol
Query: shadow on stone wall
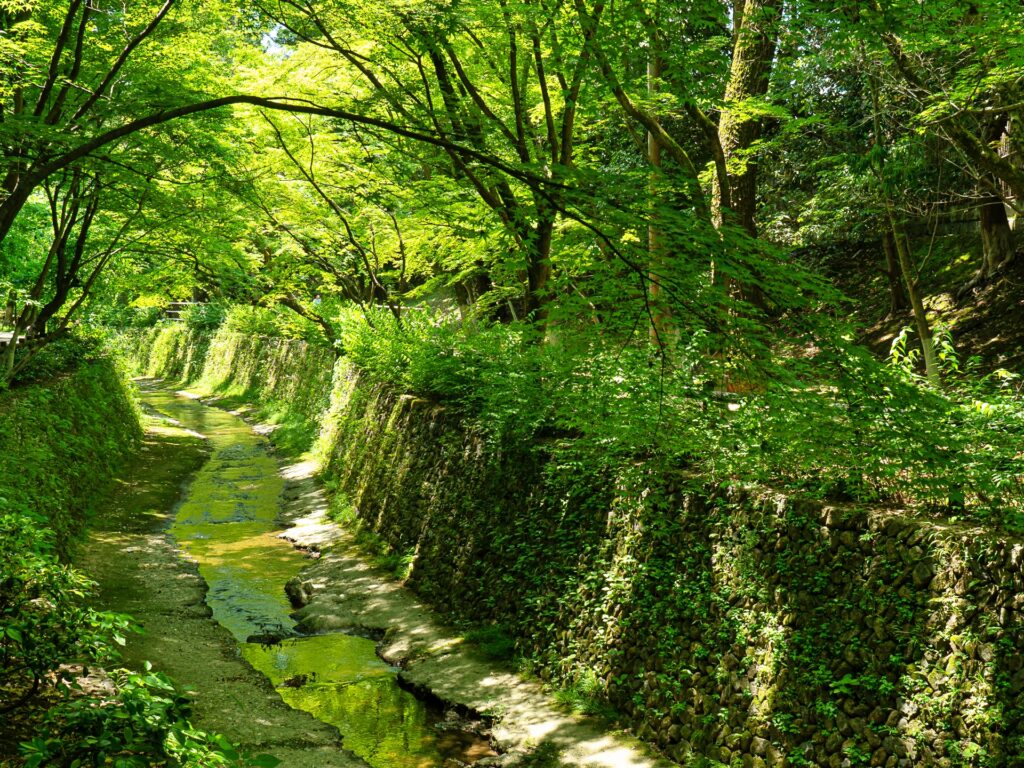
(753, 630)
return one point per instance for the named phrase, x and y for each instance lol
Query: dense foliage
(867, 432)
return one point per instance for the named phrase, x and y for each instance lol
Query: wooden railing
(174, 310)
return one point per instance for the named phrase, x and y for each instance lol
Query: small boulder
(299, 592)
(268, 638)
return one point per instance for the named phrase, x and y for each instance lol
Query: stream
(226, 523)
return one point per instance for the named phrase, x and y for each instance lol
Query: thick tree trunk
(538, 274)
(996, 236)
(755, 33)
(11, 207)
(756, 27)
(898, 301)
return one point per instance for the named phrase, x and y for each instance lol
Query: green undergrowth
(826, 420)
(492, 642)
(141, 722)
(62, 440)
(584, 694)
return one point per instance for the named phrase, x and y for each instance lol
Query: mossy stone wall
(753, 629)
(289, 378)
(61, 443)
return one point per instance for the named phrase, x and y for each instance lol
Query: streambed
(227, 525)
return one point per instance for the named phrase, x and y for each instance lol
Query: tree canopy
(637, 182)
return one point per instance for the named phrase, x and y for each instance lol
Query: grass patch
(492, 642)
(585, 696)
(545, 755)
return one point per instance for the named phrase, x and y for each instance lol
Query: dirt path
(141, 572)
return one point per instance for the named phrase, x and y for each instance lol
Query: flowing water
(226, 523)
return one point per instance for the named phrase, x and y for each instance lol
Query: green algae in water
(227, 525)
(245, 567)
(339, 680)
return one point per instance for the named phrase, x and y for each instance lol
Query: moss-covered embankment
(287, 379)
(61, 443)
(756, 630)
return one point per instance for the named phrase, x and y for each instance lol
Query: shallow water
(226, 523)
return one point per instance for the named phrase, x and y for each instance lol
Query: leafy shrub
(114, 315)
(585, 696)
(837, 424)
(204, 317)
(491, 373)
(265, 321)
(144, 723)
(64, 354)
(44, 619)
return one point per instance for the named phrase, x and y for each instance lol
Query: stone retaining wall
(746, 629)
(752, 629)
(287, 377)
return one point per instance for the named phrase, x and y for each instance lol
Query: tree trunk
(538, 273)
(756, 26)
(996, 236)
(903, 255)
(11, 207)
(22, 322)
(924, 330)
(755, 33)
(654, 255)
(898, 301)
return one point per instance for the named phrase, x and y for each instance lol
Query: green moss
(61, 443)
(695, 615)
(492, 642)
(283, 382)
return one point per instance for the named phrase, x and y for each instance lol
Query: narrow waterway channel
(226, 524)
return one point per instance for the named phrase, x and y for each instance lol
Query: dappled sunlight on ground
(227, 524)
(350, 593)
